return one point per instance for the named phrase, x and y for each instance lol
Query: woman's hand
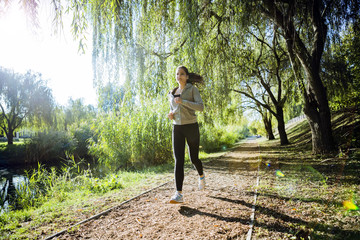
(178, 100)
(171, 115)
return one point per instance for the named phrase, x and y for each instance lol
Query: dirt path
(222, 211)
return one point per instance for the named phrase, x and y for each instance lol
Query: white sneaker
(177, 198)
(202, 183)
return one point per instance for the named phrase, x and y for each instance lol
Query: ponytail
(195, 78)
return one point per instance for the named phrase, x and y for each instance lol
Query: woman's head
(182, 75)
(190, 77)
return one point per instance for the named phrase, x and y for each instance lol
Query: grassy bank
(304, 196)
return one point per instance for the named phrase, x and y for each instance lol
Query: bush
(47, 146)
(82, 134)
(107, 184)
(218, 137)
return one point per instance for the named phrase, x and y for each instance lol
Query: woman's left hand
(178, 100)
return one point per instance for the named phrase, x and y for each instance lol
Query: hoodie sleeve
(197, 105)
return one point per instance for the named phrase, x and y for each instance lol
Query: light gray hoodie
(184, 113)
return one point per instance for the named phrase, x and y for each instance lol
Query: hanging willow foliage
(146, 40)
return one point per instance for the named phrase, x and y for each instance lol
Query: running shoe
(177, 198)
(202, 183)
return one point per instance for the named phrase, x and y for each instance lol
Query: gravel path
(222, 211)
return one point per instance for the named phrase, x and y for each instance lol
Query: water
(11, 176)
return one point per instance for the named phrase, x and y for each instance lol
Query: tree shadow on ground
(275, 227)
(190, 212)
(279, 227)
(229, 164)
(296, 199)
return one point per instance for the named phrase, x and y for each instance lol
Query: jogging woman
(184, 101)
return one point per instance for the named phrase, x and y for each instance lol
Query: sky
(24, 47)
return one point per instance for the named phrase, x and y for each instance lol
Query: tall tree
(22, 97)
(268, 67)
(305, 26)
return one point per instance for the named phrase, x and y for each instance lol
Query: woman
(184, 101)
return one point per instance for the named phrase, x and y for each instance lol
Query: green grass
(315, 190)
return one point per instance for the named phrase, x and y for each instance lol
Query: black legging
(191, 133)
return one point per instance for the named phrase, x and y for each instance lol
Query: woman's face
(181, 76)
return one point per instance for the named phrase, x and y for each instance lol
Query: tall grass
(141, 136)
(219, 137)
(134, 138)
(42, 184)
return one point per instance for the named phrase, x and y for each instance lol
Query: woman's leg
(193, 140)
(178, 140)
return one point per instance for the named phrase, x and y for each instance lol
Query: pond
(11, 176)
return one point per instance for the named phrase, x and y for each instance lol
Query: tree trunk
(268, 128)
(316, 108)
(10, 138)
(281, 126)
(318, 115)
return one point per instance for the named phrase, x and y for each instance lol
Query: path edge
(104, 212)
(252, 217)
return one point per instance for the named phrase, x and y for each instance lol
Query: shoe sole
(175, 202)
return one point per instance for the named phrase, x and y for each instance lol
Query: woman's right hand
(171, 115)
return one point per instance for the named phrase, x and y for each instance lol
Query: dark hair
(193, 77)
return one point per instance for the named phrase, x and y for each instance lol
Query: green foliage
(82, 135)
(342, 71)
(220, 137)
(42, 184)
(140, 136)
(257, 128)
(110, 97)
(23, 97)
(49, 145)
(104, 185)
(14, 151)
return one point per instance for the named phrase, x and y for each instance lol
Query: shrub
(47, 146)
(82, 134)
(218, 137)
